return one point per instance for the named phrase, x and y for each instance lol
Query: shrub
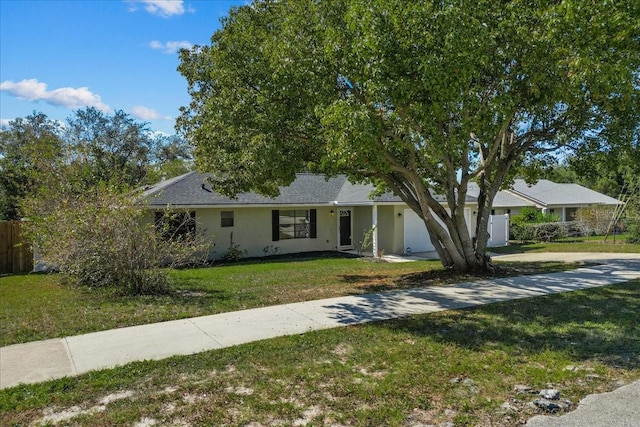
(545, 232)
(234, 253)
(633, 231)
(533, 225)
(595, 220)
(106, 239)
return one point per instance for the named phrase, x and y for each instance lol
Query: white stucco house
(313, 214)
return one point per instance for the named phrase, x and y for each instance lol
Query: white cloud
(5, 122)
(163, 8)
(146, 113)
(170, 46)
(158, 134)
(68, 97)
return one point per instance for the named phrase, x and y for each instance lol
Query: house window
(571, 214)
(176, 225)
(226, 219)
(293, 224)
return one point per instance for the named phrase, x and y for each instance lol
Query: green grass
(35, 307)
(573, 244)
(456, 366)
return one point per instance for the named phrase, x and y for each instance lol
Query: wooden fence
(15, 254)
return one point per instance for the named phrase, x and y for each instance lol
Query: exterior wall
(361, 224)
(252, 231)
(503, 211)
(390, 229)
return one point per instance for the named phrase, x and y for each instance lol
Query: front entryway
(344, 227)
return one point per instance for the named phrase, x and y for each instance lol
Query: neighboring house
(563, 200)
(315, 214)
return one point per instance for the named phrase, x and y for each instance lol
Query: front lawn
(461, 367)
(573, 244)
(35, 307)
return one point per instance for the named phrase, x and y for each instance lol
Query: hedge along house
(311, 214)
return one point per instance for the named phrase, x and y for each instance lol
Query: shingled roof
(503, 199)
(192, 189)
(549, 193)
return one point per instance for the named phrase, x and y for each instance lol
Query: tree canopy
(30, 149)
(416, 97)
(40, 155)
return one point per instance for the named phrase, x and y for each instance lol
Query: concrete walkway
(619, 408)
(56, 358)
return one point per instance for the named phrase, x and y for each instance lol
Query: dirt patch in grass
(55, 415)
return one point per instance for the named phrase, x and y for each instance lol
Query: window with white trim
(226, 219)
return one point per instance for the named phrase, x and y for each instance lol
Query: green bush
(105, 239)
(633, 231)
(545, 232)
(533, 225)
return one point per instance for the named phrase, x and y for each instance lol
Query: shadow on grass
(601, 323)
(440, 277)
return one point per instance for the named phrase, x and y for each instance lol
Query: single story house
(563, 200)
(314, 214)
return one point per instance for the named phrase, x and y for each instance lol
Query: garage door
(416, 237)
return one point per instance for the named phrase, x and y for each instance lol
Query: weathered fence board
(15, 253)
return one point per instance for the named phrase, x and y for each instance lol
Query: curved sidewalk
(56, 358)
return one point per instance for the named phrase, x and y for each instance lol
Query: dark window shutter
(313, 229)
(275, 225)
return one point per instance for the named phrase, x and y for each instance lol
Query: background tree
(416, 97)
(114, 149)
(75, 185)
(171, 157)
(30, 150)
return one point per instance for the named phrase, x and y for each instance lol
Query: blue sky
(60, 56)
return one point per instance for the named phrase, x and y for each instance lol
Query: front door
(345, 228)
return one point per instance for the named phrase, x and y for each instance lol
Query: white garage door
(416, 236)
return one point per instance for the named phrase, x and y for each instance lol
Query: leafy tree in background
(75, 183)
(172, 157)
(114, 149)
(421, 98)
(31, 150)
(93, 149)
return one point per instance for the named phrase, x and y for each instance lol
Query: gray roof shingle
(192, 189)
(548, 193)
(503, 199)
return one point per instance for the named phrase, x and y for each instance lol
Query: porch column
(374, 224)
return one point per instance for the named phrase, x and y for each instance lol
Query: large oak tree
(416, 97)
